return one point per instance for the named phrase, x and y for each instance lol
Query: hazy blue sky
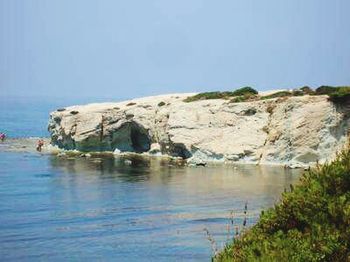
(122, 49)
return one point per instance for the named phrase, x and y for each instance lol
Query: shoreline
(28, 145)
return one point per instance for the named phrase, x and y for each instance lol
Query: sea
(110, 209)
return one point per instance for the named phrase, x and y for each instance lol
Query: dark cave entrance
(139, 140)
(131, 137)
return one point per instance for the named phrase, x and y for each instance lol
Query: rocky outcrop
(295, 131)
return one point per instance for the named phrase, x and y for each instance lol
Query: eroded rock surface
(295, 131)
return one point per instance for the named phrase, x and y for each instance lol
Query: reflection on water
(124, 209)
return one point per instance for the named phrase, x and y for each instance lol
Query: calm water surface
(107, 209)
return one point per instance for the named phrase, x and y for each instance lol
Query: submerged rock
(295, 131)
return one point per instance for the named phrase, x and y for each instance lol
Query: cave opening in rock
(131, 137)
(139, 140)
(180, 150)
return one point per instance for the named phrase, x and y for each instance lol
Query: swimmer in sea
(39, 145)
(2, 137)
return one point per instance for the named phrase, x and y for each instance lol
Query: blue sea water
(106, 209)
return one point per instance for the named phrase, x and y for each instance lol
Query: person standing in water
(40, 145)
(2, 137)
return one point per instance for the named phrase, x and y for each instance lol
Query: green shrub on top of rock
(307, 90)
(277, 94)
(239, 99)
(208, 95)
(325, 90)
(244, 94)
(341, 95)
(297, 92)
(244, 98)
(336, 94)
(247, 90)
(244, 91)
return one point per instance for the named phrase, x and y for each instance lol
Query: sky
(124, 49)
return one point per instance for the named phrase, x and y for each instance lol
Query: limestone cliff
(291, 131)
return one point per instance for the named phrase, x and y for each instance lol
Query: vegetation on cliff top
(338, 94)
(311, 223)
(341, 95)
(222, 95)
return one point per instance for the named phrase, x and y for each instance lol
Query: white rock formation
(294, 131)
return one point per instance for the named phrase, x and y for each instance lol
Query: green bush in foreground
(311, 223)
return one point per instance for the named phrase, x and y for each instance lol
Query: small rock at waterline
(85, 155)
(116, 151)
(155, 148)
(61, 154)
(127, 162)
(232, 157)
